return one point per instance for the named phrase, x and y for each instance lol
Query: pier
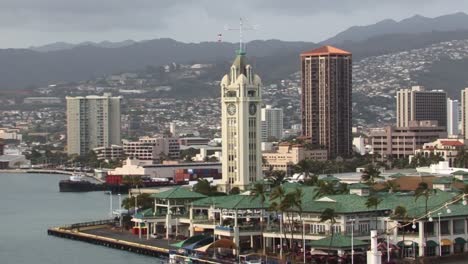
(100, 233)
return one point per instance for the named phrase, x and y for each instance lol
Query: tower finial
(241, 50)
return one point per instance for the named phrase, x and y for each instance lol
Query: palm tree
(287, 206)
(203, 186)
(391, 186)
(423, 191)
(461, 160)
(329, 215)
(325, 188)
(373, 202)
(400, 213)
(133, 181)
(371, 174)
(297, 202)
(259, 192)
(304, 166)
(277, 177)
(311, 181)
(277, 197)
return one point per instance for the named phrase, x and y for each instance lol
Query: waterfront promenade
(105, 234)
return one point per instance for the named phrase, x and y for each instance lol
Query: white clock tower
(241, 132)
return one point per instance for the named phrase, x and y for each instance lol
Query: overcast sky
(24, 23)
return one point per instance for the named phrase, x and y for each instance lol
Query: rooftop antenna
(241, 28)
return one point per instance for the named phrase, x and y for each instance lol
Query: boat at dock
(76, 183)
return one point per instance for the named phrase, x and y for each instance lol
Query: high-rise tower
(241, 120)
(326, 99)
(92, 121)
(417, 104)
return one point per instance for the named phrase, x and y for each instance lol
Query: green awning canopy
(189, 241)
(431, 243)
(337, 242)
(145, 213)
(460, 240)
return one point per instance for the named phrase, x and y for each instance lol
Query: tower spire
(241, 29)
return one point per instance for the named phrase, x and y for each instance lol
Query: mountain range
(273, 59)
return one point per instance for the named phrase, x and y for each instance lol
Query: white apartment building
(92, 121)
(453, 109)
(272, 123)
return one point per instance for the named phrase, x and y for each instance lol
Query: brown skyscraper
(326, 99)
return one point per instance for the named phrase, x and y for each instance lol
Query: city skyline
(76, 22)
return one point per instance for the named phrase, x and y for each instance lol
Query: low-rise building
(114, 152)
(191, 141)
(401, 142)
(13, 162)
(135, 167)
(42, 100)
(152, 149)
(287, 155)
(448, 149)
(434, 227)
(11, 134)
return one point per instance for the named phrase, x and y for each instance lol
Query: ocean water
(30, 203)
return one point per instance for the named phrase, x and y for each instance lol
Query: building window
(317, 229)
(458, 248)
(459, 226)
(430, 251)
(444, 228)
(445, 250)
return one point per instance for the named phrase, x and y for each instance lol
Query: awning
(199, 243)
(460, 240)
(318, 252)
(221, 243)
(446, 242)
(407, 243)
(189, 241)
(431, 243)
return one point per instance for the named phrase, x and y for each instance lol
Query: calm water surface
(30, 203)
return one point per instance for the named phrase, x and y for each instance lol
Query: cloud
(32, 22)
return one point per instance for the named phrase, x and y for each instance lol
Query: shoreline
(43, 171)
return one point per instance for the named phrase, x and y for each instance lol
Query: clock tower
(240, 103)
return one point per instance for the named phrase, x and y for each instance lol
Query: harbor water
(30, 203)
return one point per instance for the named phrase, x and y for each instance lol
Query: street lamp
(352, 240)
(440, 239)
(110, 203)
(303, 240)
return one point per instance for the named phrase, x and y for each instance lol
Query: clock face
(231, 109)
(252, 109)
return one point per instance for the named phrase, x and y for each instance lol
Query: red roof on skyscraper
(325, 50)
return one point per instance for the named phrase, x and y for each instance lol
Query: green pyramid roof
(397, 175)
(358, 186)
(443, 180)
(178, 193)
(330, 178)
(460, 172)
